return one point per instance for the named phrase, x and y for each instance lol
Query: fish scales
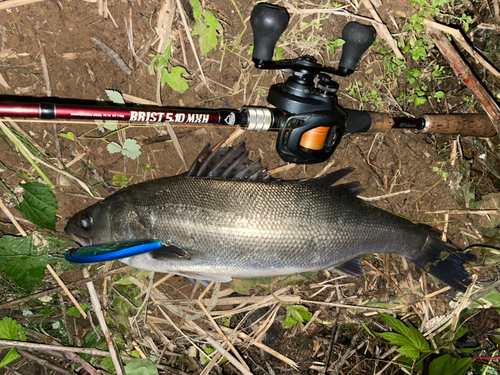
(256, 229)
(217, 228)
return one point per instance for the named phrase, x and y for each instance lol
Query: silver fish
(228, 218)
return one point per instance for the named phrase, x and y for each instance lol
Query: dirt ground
(396, 161)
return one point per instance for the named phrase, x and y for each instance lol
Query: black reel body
(312, 124)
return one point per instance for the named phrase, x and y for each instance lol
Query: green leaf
(197, 9)
(176, 79)
(107, 363)
(439, 94)
(131, 149)
(296, 314)
(493, 297)
(39, 205)
(10, 330)
(420, 100)
(114, 148)
(396, 339)
(409, 352)
(289, 322)
(141, 367)
(10, 357)
(243, 286)
(207, 31)
(115, 96)
(73, 311)
(69, 135)
(107, 124)
(24, 258)
(119, 179)
(151, 66)
(413, 334)
(447, 365)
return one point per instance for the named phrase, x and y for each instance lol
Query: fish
(228, 218)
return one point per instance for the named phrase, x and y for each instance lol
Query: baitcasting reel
(312, 123)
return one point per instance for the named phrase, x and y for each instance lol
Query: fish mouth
(81, 240)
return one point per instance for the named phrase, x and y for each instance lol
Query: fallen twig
(43, 362)
(466, 212)
(59, 348)
(463, 72)
(371, 199)
(457, 35)
(7, 4)
(113, 55)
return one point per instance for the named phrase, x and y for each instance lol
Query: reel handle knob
(358, 38)
(268, 23)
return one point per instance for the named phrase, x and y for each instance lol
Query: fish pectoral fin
(204, 277)
(169, 252)
(351, 268)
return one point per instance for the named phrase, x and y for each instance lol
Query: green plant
(415, 347)
(440, 169)
(10, 330)
(332, 44)
(39, 205)
(175, 76)
(296, 314)
(207, 27)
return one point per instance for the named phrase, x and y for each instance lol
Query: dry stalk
(265, 348)
(390, 195)
(66, 290)
(466, 212)
(7, 4)
(190, 38)
(217, 328)
(219, 348)
(383, 30)
(283, 168)
(12, 219)
(40, 161)
(102, 322)
(58, 348)
(4, 83)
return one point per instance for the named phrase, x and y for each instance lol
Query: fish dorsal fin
(331, 178)
(351, 268)
(228, 162)
(350, 188)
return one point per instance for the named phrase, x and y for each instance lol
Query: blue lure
(111, 251)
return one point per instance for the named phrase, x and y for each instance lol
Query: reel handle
(268, 23)
(358, 38)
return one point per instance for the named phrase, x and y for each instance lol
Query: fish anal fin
(351, 268)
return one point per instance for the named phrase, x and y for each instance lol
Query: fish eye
(86, 222)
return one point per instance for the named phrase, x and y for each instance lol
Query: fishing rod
(306, 113)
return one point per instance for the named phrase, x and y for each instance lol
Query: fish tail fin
(444, 261)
